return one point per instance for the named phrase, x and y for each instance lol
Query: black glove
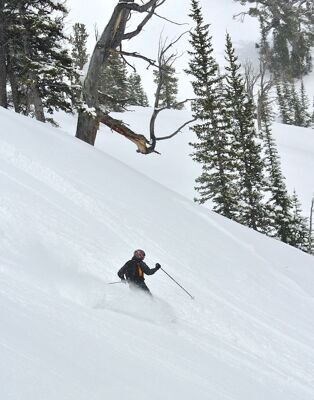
(158, 266)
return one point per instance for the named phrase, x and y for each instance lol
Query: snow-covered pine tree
(284, 101)
(212, 148)
(299, 226)
(79, 54)
(169, 88)
(78, 41)
(113, 87)
(137, 95)
(3, 56)
(247, 151)
(296, 106)
(291, 25)
(280, 56)
(279, 204)
(40, 63)
(306, 118)
(311, 229)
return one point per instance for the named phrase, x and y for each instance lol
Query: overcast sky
(218, 13)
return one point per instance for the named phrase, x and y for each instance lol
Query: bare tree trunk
(88, 121)
(91, 114)
(35, 99)
(33, 93)
(3, 69)
(109, 41)
(16, 98)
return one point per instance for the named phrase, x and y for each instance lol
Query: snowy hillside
(176, 170)
(70, 216)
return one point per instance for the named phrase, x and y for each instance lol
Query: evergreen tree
(283, 98)
(280, 55)
(306, 118)
(279, 204)
(288, 101)
(311, 229)
(299, 226)
(169, 88)
(113, 88)
(39, 64)
(137, 95)
(3, 55)
(212, 149)
(79, 55)
(296, 106)
(291, 24)
(247, 151)
(78, 41)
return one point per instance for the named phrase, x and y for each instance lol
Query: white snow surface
(175, 169)
(70, 216)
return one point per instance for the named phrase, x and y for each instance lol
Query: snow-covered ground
(70, 216)
(175, 169)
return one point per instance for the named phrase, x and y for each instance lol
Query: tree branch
(137, 55)
(130, 35)
(177, 131)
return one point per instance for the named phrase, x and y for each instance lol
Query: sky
(218, 14)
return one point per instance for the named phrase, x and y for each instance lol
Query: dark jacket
(134, 271)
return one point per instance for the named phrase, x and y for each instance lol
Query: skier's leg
(145, 289)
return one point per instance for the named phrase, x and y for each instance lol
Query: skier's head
(139, 254)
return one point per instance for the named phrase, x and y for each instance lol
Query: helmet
(139, 254)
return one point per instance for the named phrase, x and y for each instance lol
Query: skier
(133, 271)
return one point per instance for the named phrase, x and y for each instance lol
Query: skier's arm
(149, 271)
(122, 271)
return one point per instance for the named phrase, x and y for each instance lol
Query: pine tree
(137, 94)
(291, 24)
(311, 229)
(212, 148)
(299, 226)
(284, 100)
(169, 88)
(305, 108)
(247, 151)
(78, 41)
(3, 56)
(280, 60)
(40, 65)
(113, 88)
(296, 106)
(79, 55)
(279, 204)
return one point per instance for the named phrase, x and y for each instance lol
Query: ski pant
(140, 285)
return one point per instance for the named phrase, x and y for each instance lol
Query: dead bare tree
(165, 60)
(251, 78)
(110, 41)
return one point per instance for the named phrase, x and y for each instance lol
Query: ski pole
(177, 283)
(114, 283)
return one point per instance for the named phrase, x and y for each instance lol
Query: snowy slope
(175, 168)
(69, 217)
